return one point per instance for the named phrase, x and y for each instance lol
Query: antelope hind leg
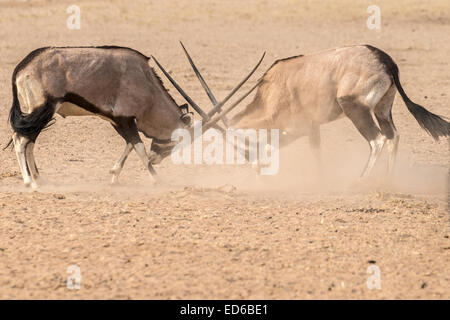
(383, 114)
(20, 144)
(361, 117)
(34, 173)
(128, 130)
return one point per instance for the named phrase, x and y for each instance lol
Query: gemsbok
(298, 94)
(114, 83)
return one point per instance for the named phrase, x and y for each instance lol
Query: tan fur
(299, 94)
(307, 88)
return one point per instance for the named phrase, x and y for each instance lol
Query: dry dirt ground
(224, 232)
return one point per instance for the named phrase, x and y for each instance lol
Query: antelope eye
(186, 118)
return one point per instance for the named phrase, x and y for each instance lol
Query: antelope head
(161, 149)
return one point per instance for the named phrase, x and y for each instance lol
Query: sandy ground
(223, 232)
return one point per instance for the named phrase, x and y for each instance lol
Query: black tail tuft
(30, 125)
(430, 122)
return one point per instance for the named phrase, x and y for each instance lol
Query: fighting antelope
(298, 94)
(114, 83)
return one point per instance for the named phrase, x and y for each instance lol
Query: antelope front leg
(115, 171)
(142, 153)
(128, 130)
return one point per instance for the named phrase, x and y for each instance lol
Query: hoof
(159, 182)
(115, 181)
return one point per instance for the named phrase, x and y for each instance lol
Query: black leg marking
(127, 128)
(361, 117)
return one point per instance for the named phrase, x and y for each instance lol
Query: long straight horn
(203, 82)
(199, 76)
(214, 120)
(181, 91)
(220, 104)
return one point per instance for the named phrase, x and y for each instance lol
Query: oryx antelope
(114, 83)
(298, 94)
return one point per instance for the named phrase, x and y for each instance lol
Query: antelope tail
(430, 122)
(31, 124)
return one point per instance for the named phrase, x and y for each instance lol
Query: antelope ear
(184, 108)
(186, 115)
